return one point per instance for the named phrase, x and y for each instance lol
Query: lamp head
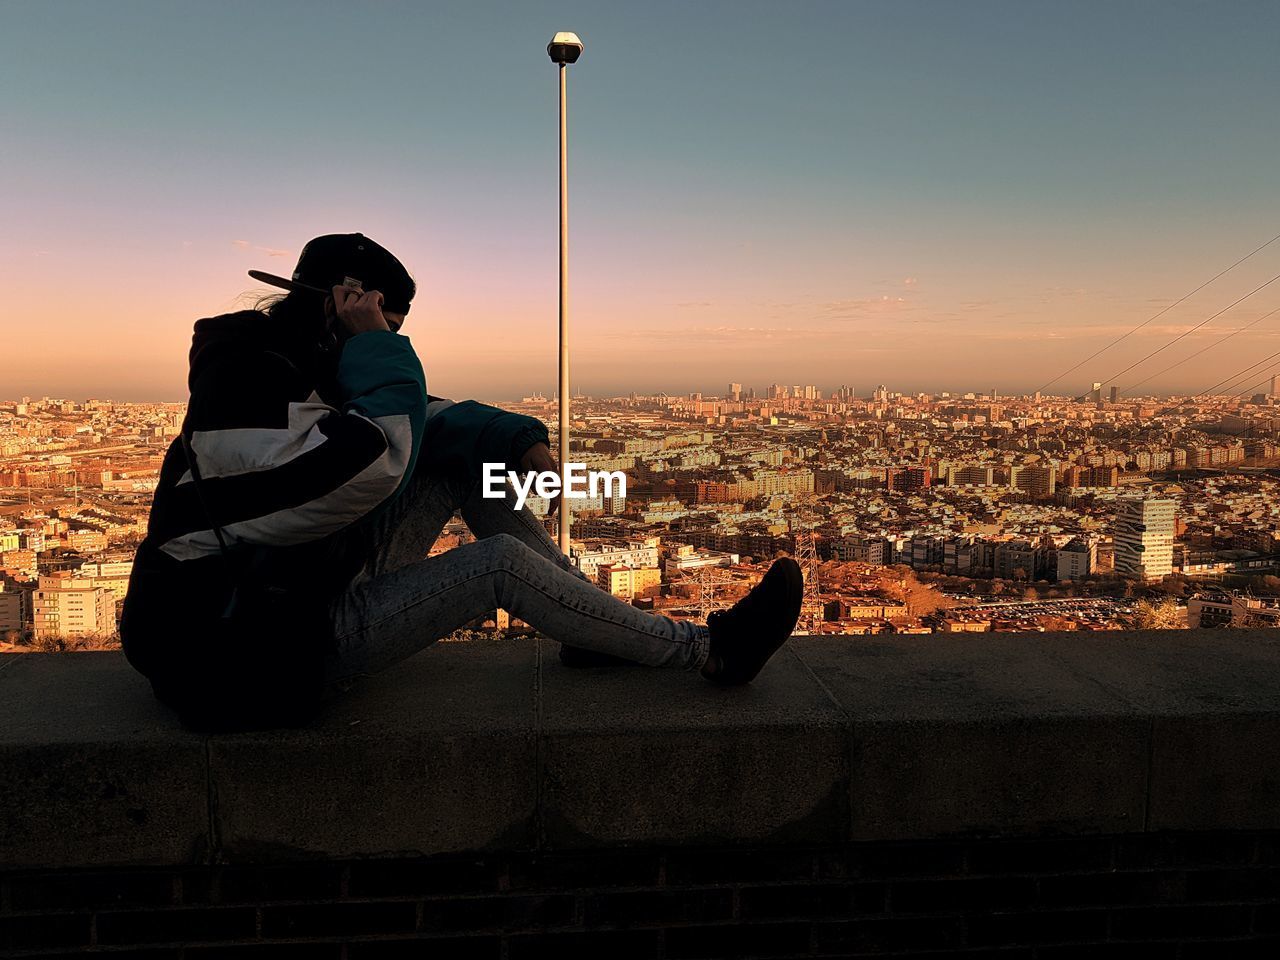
(565, 48)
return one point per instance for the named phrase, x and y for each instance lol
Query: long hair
(298, 316)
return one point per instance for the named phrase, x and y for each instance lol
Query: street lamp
(564, 49)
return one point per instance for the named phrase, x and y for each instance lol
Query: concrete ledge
(496, 746)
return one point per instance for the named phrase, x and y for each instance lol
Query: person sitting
(286, 549)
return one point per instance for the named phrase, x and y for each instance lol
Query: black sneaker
(746, 635)
(580, 657)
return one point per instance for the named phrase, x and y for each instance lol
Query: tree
(1252, 621)
(1159, 615)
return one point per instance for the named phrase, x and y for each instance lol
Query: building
(1040, 482)
(1143, 534)
(628, 582)
(1226, 610)
(13, 609)
(962, 555)
(927, 551)
(908, 479)
(67, 606)
(1077, 559)
(633, 553)
(686, 557)
(113, 575)
(1021, 560)
(874, 550)
(970, 476)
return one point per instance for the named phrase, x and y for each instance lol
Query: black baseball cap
(348, 259)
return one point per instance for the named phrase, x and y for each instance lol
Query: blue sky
(928, 194)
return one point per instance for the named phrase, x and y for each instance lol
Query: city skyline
(919, 194)
(1011, 514)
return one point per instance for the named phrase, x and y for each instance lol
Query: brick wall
(1162, 895)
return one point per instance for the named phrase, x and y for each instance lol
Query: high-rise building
(1275, 385)
(735, 391)
(1143, 533)
(1115, 394)
(1096, 393)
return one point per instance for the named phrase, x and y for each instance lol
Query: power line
(1188, 333)
(1264, 380)
(1239, 374)
(1216, 343)
(1160, 314)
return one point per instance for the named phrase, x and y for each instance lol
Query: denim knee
(506, 550)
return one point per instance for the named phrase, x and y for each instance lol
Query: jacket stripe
(305, 499)
(228, 453)
(315, 518)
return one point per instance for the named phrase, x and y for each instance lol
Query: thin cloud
(265, 251)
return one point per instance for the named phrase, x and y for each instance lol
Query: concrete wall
(929, 793)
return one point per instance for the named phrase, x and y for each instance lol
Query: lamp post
(564, 49)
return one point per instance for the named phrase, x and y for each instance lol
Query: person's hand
(539, 458)
(359, 311)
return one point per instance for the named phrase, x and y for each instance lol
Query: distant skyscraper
(1115, 394)
(1275, 386)
(1096, 393)
(735, 391)
(1144, 538)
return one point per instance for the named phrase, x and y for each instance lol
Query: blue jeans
(403, 601)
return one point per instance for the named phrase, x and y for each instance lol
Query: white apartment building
(72, 607)
(1144, 538)
(685, 558)
(633, 553)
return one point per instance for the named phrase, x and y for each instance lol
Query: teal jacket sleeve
(381, 379)
(467, 434)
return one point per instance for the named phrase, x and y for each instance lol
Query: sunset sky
(931, 195)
